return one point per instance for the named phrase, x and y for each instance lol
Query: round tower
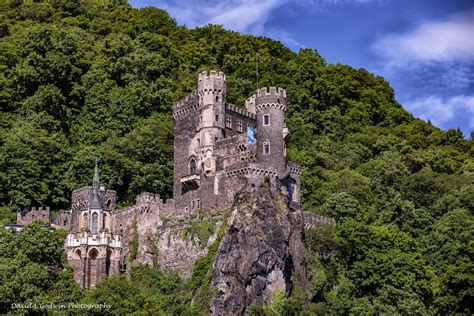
(211, 91)
(270, 106)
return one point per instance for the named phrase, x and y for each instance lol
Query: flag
(250, 135)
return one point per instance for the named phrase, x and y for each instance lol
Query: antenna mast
(256, 61)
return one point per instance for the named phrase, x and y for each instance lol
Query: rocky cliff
(261, 252)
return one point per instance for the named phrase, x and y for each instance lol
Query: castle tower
(211, 126)
(93, 249)
(270, 106)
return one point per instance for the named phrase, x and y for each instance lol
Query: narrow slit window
(266, 119)
(266, 148)
(192, 166)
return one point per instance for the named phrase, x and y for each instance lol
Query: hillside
(81, 80)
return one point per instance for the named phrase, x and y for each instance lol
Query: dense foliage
(81, 80)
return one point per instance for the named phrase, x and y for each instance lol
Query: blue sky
(424, 48)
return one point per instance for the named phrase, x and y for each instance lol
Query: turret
(211, 91)
(270, 107)
(212, 87)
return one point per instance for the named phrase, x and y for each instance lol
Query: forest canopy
(87, 79)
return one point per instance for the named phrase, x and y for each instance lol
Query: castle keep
(219, 148)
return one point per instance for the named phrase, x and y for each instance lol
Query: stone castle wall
(26, 217)
(162, 240)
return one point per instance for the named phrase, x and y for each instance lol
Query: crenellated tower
(270, 107)
(211, 126)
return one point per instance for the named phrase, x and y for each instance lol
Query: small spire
(94, 203)
(95, 181)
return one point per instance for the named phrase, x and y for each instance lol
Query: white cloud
(245, 16)
(439, 41)
(441, 111)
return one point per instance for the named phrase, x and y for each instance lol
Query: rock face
(261, 252)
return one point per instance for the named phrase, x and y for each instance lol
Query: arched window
(217, 98)
(192, 166)
(104, 220)
(266, 148)
(95, 220)
(85, 222)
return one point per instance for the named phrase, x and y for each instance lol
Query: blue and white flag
(250, 135)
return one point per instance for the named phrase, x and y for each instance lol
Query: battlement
(295, 168)
(40, 209)
(25, 217)
(148, 198)
(270, 98)
(272, 91)
(189, 103)
(241, 111)
(213, 83)
(213, 75)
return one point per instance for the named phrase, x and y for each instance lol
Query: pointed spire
(94, 203)
(95, 181)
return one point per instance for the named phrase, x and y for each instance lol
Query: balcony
(190, 182)
(191, 178)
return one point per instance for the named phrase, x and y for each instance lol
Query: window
(192, 205)
(84, 220)
(292, 191)
(94, 223)
(217, 117)
(228, 122)
(266, 148)
(239, 126)
(192, 166)
(266, 120)
(217, 98)
(199, 203)
(200, 119)
(104, 221)
(199, 142)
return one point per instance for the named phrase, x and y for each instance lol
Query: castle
(218, 149)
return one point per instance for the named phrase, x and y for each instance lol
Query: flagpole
(256, 60)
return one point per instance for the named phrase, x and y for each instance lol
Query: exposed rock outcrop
(261, 252)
